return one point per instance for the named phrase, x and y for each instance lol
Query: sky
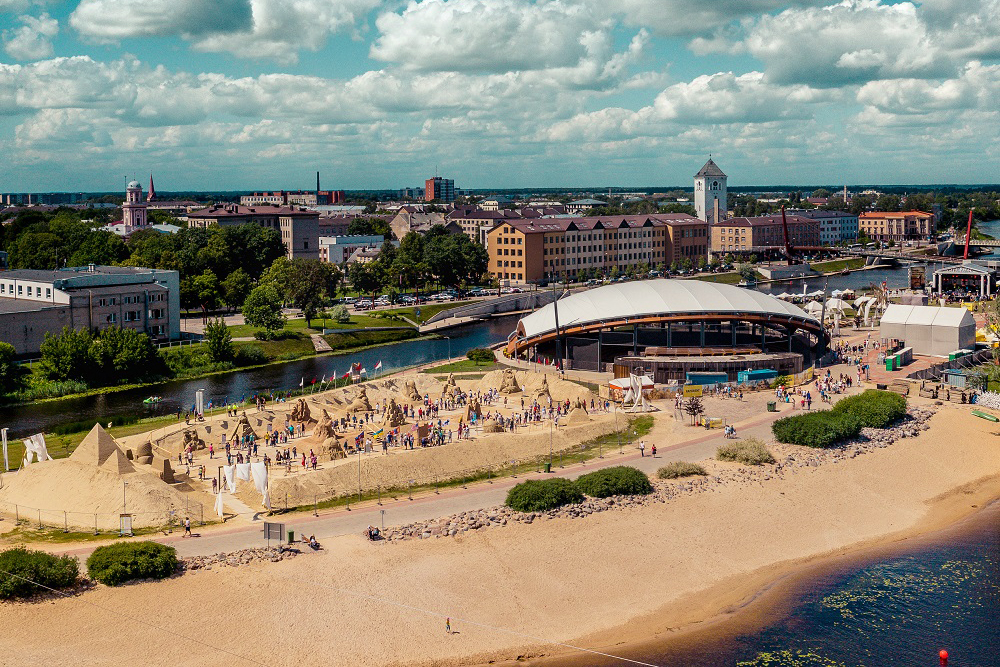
(255, 94)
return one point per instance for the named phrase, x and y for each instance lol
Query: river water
(224, 387)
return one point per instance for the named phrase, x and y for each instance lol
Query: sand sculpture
(360, 402)
(325, 434)
(167, 473)
(580, 403)
(144, 453)
(242, 428)
(577, 416)
(474, 407)
(100, 449)
(543, 389)
(393, 415)
(508, 384)
(491, 425)
(450, 387)
(192, 440)
(410, 391)
(300, 412)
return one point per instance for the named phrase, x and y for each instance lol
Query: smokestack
(317, 183)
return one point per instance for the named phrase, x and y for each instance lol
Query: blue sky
(242, 94)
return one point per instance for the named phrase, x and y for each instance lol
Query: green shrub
(615, 481)
(826, 428)
(750, 451)
(781, 380)
(278, 334)
(680, 469)
(481, 355)
(33, 571)
(117, 563)
(545, 494)
(873, 408)
(250, 355)
(341, 314)
(816, 429)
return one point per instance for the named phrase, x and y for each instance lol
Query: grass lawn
(355, 339)
(729, 278)
(427, 310)
(299, 325)
(839, 264)
(463, 366)
(290, 348)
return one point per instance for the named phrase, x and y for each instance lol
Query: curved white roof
(656, 297)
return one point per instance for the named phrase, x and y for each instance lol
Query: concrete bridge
(889, 257)
(481, 310)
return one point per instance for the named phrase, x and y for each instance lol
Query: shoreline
(751, 603)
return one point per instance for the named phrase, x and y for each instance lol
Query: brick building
(299, 227)
(530, 250)
(763, 233)
(896, 226)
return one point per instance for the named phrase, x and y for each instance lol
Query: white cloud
(690, 17)
(113, 20)
(489, 35)
(33, 40)
(847, 43)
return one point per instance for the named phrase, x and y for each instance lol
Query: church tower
(134, 208)
(709, 188)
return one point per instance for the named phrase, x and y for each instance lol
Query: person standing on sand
(447, 625)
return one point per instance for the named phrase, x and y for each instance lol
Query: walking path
(320, 344)
(402, 510)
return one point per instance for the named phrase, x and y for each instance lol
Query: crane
(788, 242)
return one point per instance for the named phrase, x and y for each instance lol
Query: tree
(365, 278)
(100, 248)
(66, 355)
(236, 287)
(262, 308)
(312, 283)
(279, 274)
(12, 374)
(122, 354)
(341, 315)
(219, 341)
(370, 226)
(747, 272)
(821, 192)
(693, 407)
(206, 291)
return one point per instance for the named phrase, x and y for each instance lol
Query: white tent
(814, 308)
(929, 329)
(836, 304)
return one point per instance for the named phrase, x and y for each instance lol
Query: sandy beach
(613, 578)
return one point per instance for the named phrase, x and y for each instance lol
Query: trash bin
(291, 536)
(772, 406)
(548, 467)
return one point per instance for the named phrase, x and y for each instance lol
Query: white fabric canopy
(243, 471)
(229, 472)
(259, 471)
(814, 307)
(219, 508)
(836, 304)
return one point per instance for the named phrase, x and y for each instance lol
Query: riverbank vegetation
(872, 408)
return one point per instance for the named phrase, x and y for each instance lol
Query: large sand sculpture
(91, 485)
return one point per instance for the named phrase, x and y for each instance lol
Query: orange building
(530, 250)
(763, 233)
(897, 226)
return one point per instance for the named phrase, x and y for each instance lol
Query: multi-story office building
(896, 226)
(336, 249)
(762, 234)
(294, 198)
(530, 250)
(441, 189)
(33, 303)
(834, 226)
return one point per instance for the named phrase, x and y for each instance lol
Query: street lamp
(552, 422)
(124, 487)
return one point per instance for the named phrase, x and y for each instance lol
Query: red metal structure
(968, 235)
(788, 242)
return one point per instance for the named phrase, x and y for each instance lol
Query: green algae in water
(788, 658)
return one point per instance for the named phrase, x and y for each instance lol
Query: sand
(613, 577)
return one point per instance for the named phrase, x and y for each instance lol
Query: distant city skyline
(238, 95)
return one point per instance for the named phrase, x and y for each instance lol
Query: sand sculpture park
(478, 425)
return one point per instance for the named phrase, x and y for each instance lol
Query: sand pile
(535, 385)
(92, 480)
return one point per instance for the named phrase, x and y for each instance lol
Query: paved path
(401, 510)
(320, 344)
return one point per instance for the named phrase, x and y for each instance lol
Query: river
(223, 387)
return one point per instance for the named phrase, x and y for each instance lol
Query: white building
(134, 208)
(834, 226)
(337, 249)
(710, 193)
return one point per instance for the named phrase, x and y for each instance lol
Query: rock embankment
(788, 457)
(237, 558)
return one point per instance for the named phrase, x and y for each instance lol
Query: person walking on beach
(447, 625)
(187, 527)
(642, 448)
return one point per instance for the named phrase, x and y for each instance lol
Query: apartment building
(530, 250)
(294, 198)
(834, 226)
(896, 226)
(337, 249)
(299, 227)
(33, 303)
(763, 233)
(441, 189)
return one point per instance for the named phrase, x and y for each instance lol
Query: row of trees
(113, 355)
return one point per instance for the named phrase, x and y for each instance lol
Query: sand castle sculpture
(576, 416)
(191, 439)
(360, 402)
(393, 415)
(100, 449)
(491, 425)
(450, 387)
(144, 453)
(473, 407)
(543, 389)
(300, 412)
(325, 434)
(508, 384)
(242, 428)
(410, 391)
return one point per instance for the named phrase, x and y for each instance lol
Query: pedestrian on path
(653, 451)
(187, 527)
(447, 625)
(642, 448)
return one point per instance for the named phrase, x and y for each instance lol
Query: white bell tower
(710, 193)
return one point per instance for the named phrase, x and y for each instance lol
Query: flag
(364, 371)
(313, 381)
(378, 366)
(347, 374)
(302, 382)
(356, 367)
(377, 434)
(324, 379)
